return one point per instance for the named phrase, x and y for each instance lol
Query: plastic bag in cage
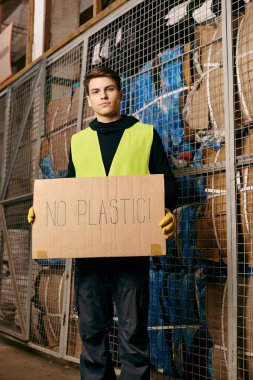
(155, 96)
(181, 299)
(170, 106)
(159, 337)
(169, 94)
(171, 69)
(201, 11)
(209, 142)
(171, 261)
(144, 104)
(201, 355)
(183, 154)
(170, 343)
(181, 251)
(191, 189)
(48, 171)
(182, 341)
(186, 223)
(143, 89)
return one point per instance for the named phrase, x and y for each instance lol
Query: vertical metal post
(41, 117)
(29, 294)
(6, 137)
(36, 171)
(81, 94)
(227, 39)
(65, 308)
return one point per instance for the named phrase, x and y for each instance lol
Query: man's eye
(110, 89)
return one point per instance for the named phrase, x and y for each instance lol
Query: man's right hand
(31, 215)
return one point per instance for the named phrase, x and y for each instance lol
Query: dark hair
(100, 72)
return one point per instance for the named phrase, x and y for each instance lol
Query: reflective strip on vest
(131, 157)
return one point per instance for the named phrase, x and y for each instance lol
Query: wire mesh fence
(175, 75)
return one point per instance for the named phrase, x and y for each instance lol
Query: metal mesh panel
(47, 306)
(243, 59)
(170, 57)
(150, 56)
(22, 148)
(14, 268)
(63, 81)
(20, 134)
(62, 92)
(61, 112)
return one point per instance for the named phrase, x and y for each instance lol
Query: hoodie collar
(124, 122)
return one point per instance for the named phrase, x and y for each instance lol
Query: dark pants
(98, 283)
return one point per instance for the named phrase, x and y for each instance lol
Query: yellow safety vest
(131, 157)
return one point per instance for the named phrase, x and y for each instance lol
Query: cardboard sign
(98, 217)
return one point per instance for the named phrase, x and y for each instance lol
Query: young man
(115, 144)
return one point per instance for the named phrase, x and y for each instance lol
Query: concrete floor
(17, 361)
(20, 362)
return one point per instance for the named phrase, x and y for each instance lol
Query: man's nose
(104, 94)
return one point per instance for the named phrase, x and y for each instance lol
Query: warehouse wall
(186, 68)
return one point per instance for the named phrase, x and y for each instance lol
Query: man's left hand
(168, 225)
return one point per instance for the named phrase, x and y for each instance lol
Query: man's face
(104, 98)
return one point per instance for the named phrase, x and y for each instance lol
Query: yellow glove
(31, 215)
(168, 225)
